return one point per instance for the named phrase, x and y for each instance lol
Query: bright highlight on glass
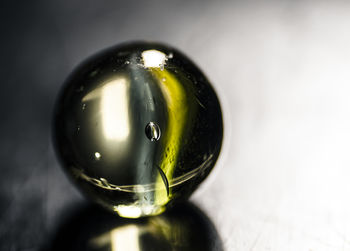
(153, 58)
(97, 155)
(114, 107)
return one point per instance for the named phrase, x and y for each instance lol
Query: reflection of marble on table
(89, 227)
(282, 70)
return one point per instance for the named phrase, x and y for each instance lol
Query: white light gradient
(115, 111)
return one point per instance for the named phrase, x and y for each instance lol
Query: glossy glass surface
(138, 126)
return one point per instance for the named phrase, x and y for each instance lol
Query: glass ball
(137, 127)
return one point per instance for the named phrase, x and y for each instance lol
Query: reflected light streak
(114, 106)
(119, 239)
(125, 238)
(153, 58)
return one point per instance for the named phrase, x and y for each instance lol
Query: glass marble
(137, 127)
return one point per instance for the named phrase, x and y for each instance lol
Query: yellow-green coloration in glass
(175, 98)
(137, 127)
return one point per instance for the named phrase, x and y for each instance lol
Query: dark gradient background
(281, 69)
